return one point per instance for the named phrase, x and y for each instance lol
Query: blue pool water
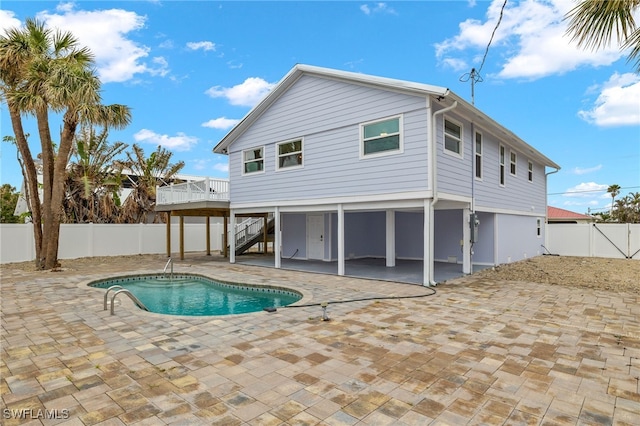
(195, 295)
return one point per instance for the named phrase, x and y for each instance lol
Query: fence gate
(610, 240)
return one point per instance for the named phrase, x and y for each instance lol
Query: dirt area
(589, 272)
(605, 274)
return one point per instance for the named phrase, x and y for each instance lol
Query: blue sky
(191, 69)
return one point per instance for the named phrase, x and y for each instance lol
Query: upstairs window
(514, 161)
(478, 155)
(530, 171)
(253, 160)
(381, 137)
(289, 154)
(452, 137)
(502, 159)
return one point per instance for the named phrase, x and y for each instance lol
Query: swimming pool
(197, 295)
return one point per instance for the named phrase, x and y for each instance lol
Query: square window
(253, 160)
(381, 137)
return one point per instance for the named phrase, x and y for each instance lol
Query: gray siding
(327, 114)
(517, 237)
(457, 176)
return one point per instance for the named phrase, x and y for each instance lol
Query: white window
(289, 154)
(502, 155)
(452, 137)
(381, 137)
(253, 160)
(530, 171)
(478, 155)
(514, 161)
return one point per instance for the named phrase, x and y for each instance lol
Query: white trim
(385, 153)
(390, 238)
(412, 199)
(277, 155)
(485, 209)
(340, 239)
(242, 161)
(460, 140)
(513, 162)
(530, 171)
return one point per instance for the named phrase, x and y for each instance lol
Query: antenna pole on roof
(474, 77)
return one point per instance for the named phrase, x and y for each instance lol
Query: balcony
(193, 192)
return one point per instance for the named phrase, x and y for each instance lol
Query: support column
(277, 239)
(466, 241)
(225, 235)
(340, 239)
(181, 237)
(208, 236)
(427, 257)
(391, 238)
(232, 243)
(168, 238)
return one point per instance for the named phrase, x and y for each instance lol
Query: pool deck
(476, 352)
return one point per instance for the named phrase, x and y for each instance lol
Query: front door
(315, 236)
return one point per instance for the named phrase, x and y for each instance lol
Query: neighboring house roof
(555, 213)
(442, 93)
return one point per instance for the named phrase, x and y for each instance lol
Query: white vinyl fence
(87, 240)
(611, 240)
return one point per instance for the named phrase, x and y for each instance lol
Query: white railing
(188, 192)
(248, 229)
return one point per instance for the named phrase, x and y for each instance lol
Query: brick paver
(477, 352)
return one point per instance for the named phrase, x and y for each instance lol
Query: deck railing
(188, 192)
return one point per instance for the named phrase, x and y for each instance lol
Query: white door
(315, 236)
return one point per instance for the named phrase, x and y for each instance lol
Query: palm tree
(93, 178)
(614, 190)
(144, 174)
(51, 73)
(594, 22)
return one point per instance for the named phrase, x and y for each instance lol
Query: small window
(502, 154)
(289, 154)
(530, 171)
(478, 155)
(452, 137)
(514, 161)
(539, 227)
(253, 160)
(381, 137)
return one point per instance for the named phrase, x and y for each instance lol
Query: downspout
(433, 180)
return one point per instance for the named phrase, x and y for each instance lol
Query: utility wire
(474, 75)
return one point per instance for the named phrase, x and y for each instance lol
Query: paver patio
(476, 352)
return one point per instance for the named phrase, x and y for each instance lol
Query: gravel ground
(589, 272)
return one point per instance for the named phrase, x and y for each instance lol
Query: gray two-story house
(354, 166)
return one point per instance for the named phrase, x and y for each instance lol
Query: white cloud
(618, 103)
(248, 93)
(586, 190)
(180, 142)
(221, 123)
(204, 45)
(8, 20)
(379, 7)
(221, 167)
(105, 32)
(532, 38)
(584, 171)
